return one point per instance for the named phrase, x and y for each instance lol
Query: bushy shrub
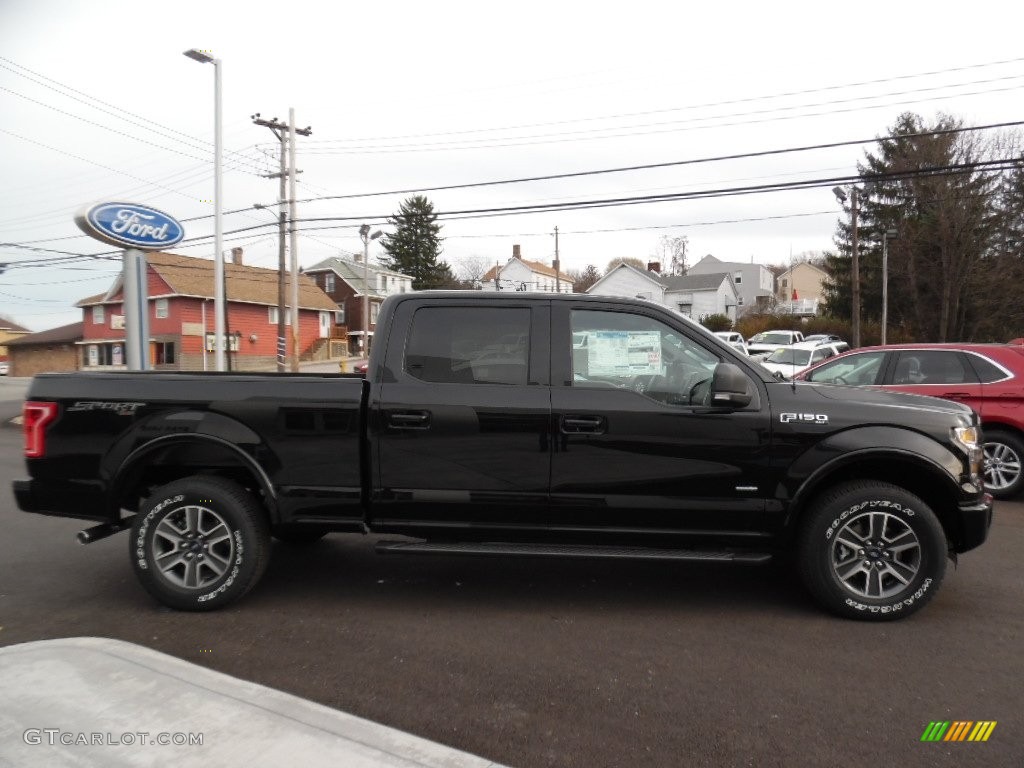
(717, 323)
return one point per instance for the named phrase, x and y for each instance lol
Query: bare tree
(671, 253)
(582, 279)
(471, 269)
(625, 260)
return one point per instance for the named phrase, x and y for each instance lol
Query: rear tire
(1004, 452)
(872, 551)
(199, 543)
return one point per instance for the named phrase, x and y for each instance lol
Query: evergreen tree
(414, 246)
(943, 222)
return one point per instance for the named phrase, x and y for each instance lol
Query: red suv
(987, 377)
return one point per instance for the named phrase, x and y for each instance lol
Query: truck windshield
(790, 357)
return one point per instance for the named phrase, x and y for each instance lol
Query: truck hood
(869, 396)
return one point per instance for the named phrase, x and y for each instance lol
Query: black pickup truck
(516, 424)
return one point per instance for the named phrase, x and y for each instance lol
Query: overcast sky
(98, 102)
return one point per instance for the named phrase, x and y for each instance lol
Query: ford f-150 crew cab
(515, 424)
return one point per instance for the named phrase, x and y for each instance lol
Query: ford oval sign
(130, 225)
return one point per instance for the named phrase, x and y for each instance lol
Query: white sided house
(695, 296)
(519, 274)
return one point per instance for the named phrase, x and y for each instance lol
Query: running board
(567, 550)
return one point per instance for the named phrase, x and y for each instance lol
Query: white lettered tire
(872, 551)
(199, 543)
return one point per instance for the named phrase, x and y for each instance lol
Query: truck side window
(629, 351)
(469, 345)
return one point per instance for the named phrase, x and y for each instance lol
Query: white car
(767, 342)
(4, 368)
(796, 358)
(734, 340)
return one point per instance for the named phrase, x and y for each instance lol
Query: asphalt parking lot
(547, 663)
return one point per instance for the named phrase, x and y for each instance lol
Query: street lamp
(840, 194)
(218, 226)
(889, 234)
(364, 234)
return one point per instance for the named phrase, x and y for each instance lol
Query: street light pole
(366, 237)
(218, 208)
(888, 235)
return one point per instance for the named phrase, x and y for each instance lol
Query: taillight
(35, 418)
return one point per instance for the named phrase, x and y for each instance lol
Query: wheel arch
(919, 475)
(174, 457)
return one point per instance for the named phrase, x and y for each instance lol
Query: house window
(339, 316)
(686, 309)
(329, 282)
(272, 316)
(739, 301)
(97, 314)
(160, 308)
(374, 306)
(738, 278)
(163, 353)
(785, 282)
(95, 355)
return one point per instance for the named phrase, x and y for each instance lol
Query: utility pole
(558, 279)
(282, 131)
(855, 272)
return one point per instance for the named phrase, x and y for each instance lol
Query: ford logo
(130, 225)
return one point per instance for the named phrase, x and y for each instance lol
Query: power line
(686, 108)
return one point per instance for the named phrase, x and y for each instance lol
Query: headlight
(969, 438)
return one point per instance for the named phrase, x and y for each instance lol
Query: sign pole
(131, 304)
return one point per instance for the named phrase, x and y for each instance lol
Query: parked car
(354, 366)
(734, 340)
(5, 368)
(765, 343)
(825, 337)
(987, 377)
(797, 358)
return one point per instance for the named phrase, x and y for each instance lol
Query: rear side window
(987, 370)
(935, 367)
(469, 345)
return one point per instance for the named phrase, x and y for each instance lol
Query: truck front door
(639, 449)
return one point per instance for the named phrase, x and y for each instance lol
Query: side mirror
(730, 387)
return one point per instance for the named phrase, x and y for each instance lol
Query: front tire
(1004, 453)
(199, 543)
(872, 551)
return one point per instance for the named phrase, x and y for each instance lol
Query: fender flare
(136, 458)
(807, 474)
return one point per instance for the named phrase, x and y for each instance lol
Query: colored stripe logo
(958, 730)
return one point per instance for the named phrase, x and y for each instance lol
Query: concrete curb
(91, 689)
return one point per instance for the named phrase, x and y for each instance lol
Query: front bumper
(975, 519)
(80, 501)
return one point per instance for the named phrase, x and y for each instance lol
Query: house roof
(10, 325)
(189, 276)
(708, 282)
(64, 334)
(654, 277)
(352, 273)
(804, 264)
(534, 266)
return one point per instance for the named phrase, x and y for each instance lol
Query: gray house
(754, 282)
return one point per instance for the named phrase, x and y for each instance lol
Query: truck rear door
(459, 417)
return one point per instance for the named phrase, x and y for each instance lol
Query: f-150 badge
(806, 418)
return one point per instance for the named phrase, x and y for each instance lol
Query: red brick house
(181, 317)
(342, 280)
